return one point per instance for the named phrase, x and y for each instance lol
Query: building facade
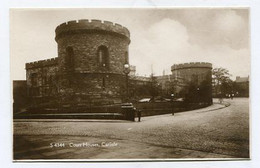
(241, 87)
(197, 74)
(90, 68)
(41, 80)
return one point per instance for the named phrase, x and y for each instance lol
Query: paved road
(204, 133)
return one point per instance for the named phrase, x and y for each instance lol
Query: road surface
(212, 132)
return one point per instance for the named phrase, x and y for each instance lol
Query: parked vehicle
(144, 100)
(161, 99)
(180, 99)
(156, 99)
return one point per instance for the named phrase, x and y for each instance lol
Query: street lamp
(126, 72)
(172, 97)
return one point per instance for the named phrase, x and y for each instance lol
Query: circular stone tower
(198, 74)
(91, 58)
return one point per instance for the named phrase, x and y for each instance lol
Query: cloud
(159, 37)
(217, 27)
(159, 45)
(168, 42)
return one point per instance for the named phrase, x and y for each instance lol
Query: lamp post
(198, 93)
(126, 72)
(172, 97)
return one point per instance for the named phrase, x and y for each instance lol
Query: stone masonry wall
(85, 47)
(45, 74)
(198, 74)
(188, 71)
(96, 88)
(87, 80)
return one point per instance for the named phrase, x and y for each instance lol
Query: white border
(6, 114)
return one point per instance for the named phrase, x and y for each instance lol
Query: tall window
(103, 57)
(69, 59)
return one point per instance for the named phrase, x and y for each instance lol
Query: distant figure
(139, 115)
(220, 99)
(232, 95)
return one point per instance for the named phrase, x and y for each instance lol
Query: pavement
(218, 131)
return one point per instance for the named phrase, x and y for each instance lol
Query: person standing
(139, 115)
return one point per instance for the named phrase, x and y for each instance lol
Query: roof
(241, 79)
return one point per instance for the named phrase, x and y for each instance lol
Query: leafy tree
(221, 81)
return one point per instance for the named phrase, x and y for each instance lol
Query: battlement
(42, 63)
(90, 26)
(191, 65)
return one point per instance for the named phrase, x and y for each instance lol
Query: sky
(160, 37)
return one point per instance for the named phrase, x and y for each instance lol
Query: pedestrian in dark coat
(139, 115)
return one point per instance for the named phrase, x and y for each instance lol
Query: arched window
(69, 59)
(103, 57)
(126, 57)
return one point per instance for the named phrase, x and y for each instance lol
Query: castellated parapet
(41, 63)
(89, 26)
(191, 65)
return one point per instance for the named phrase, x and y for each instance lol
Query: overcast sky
(159, 37)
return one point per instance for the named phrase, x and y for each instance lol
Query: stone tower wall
(197, 76)
(186, 71)
(85, 37)
(88, 78)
